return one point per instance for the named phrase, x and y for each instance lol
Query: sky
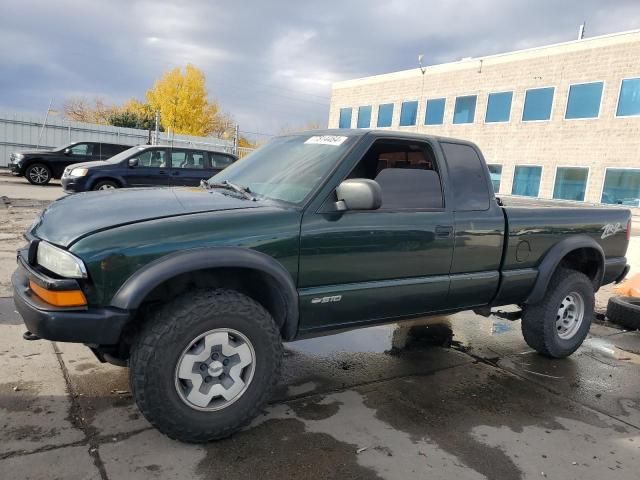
(269, 63)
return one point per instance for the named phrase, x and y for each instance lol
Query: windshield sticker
(334, 140)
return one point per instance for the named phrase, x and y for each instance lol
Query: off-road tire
(105, 183)
(539, 320)
(160, 343)
(624, 311)
(31, 169)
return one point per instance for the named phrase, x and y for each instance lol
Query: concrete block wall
(606, 141)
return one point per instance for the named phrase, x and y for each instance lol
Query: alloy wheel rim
(106, 187)
(570, 315)
(215, 369)
(38, 174)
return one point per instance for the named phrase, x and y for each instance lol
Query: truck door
(479, 228)
(368, 266)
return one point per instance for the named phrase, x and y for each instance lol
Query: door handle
(162, 172)
(444, 231)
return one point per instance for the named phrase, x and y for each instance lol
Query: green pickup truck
(195, 289)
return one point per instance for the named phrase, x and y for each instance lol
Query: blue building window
(499, 107)
(364, 116)
(345, 118)
(621, 187)
(435, 112)
(584, 100)
(385, 115)
(571, 183)
(496, 174)
(629, 100)
(408, 113)
(537, 104)
(526, 181)
(465, 109)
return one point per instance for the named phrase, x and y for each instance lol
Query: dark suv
(146, 166)
(40, 166)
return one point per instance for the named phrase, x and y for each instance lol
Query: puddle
(392, 338)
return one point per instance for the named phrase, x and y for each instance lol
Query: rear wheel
(205, 364)
(557, 326)
(105, 185)
(38, 174)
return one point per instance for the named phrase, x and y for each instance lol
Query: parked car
(146, 166)
(40, 166)
(195, 289)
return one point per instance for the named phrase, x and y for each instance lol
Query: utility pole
(157, 132)
(236, 137)
(46, 117)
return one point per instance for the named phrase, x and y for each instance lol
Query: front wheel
(205, 364)
(557, 325)
(105, 185)
(38, 174)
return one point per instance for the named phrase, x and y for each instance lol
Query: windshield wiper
(244, 191)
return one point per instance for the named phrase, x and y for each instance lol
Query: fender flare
(131, 294)
(553, 258)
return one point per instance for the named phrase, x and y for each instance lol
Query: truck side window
(406, 172)
(468, 177)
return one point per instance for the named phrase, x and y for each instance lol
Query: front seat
(409, 188)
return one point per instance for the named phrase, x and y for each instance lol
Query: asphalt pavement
(448, 397)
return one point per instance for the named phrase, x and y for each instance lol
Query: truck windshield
(287, 168)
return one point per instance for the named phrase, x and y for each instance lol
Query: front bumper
(74, 184)
(15, 168)
(81, 325)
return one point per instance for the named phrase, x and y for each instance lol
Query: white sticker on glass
(334, 140)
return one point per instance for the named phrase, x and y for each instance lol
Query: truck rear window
(468, 177)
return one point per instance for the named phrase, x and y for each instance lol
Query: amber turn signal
(61, 298)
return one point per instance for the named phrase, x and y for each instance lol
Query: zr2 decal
(611, 229)
(335, 298)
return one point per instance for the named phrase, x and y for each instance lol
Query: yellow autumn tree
(182, 99)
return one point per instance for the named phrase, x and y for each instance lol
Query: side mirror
(133, 162)
(67, 151)
(358, 194)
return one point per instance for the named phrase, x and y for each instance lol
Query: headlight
(78, 172)
(60, 261)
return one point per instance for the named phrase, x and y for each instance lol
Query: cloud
(269, 63)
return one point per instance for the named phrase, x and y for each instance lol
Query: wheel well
(257, 285)
(107, 179)
(586, 260)
(33, 161)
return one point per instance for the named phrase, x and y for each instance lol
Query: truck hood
(76, 216)
(95, 163)
(40, 152)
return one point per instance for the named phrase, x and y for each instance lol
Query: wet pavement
(459, 396)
